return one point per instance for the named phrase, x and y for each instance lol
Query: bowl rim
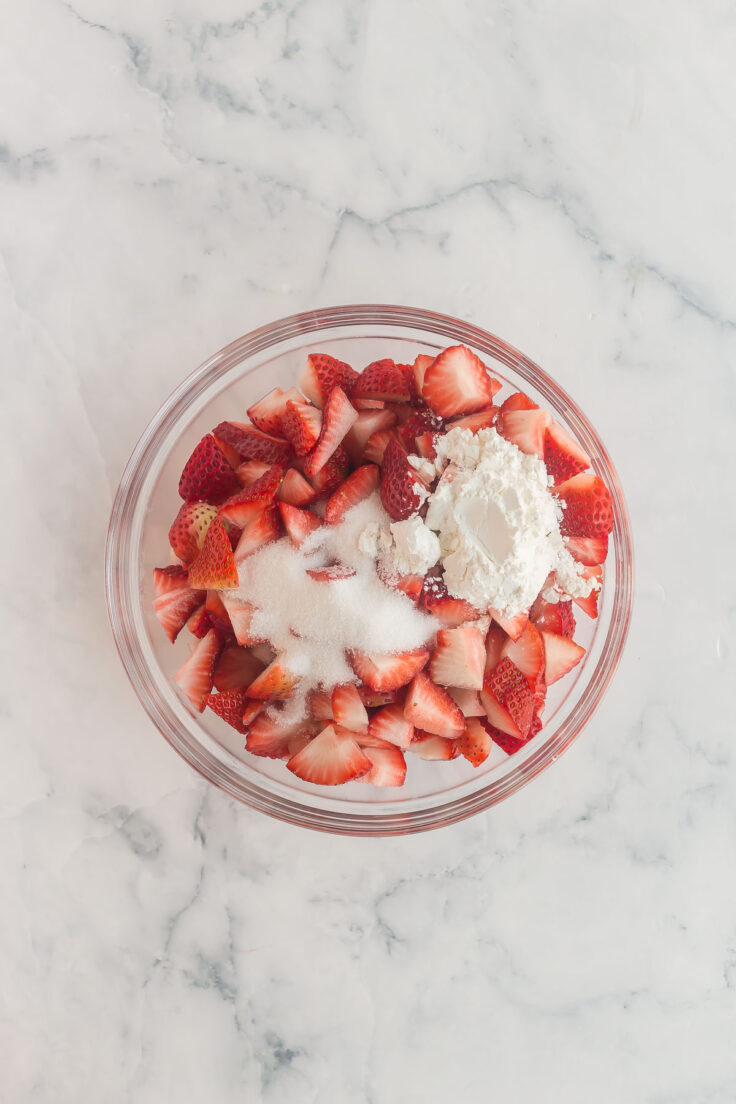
(164, 420)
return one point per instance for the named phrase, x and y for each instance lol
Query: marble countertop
(174, 174)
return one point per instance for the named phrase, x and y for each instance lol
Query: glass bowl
(435, 793)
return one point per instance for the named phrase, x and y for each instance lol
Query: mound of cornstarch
(311, 624)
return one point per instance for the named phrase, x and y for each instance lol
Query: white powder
(416, 548)
(312, 624)
(498, 524)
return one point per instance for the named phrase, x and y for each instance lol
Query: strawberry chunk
(420, 422)
(587, 507)
(320, 705)
(509, 744)
(388, 672)
(357, 487)
(457, 382)
(263, 528)
(474, 743)
(366, 424)
(330, 759)
(589, 604)
(431, 709)
(274, 741)
(175, 600)
(398, 479)
(373, 699)
(555, 617)
(495, 641)
(296, 490)
(339, 416)
(200, 622)
(249, 502)
(449, 611)
(560, 656)
(467, 701)
(276, 683)
(388, 766)
(229, 705)
(266, 414)
(214, 567)
(512, 626)
(189, 528)
(377, 443)
(331, 573)
(389, 725)
(517, 401)
(241, 615)
(527, 653)
(252, 444)
(527, 429)
(301, 424)
(419, 370)
(381, 380)
(251, 470)
(207, 474)
(322, 373)
(348, 709)
(508, 699)
(236, 668)
(586, 550)
(482, 419)
(563, 456)
(195, 675)
(460, 656)
(428, 746)
(298, 523)
(329, 478)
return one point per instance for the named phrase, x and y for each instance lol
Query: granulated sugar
(312, 624)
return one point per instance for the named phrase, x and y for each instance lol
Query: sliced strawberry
(467, 701)
(460, 656)
(252, 444)
(252, 708)
(251, 470)
(373, 699)
(421, 421)
(329, 478)
(525, 428)
(560, 656)
(218, 613)
(195, 675)
(398, 494)
(200, 622)
(495, 641)
(249, 502)
(339, 416)
(298, 523)
(474, 743)
(366, 424)
(367, 404)
(587, 506)
(428, 746)
(509, 744)
(381, 380)
(388, 769)
(512, 626)
(175, 600)
(330, 759)
(388, 672)
(241, 615)
(322, 373)
(214, 567)
(527, 653)
(296, 490)
(377, 443)
(426, 445)
(186, 535)
(389, 724)
(276, 683)
(229, 705)
(274, 741)
(259, 531)
(517, 401)
(419, 370)
(301, 425)
(432, 709)
(449, 611)
(586, 550)
(207, 474)
(236, 668)
(563, 456)
(266, 414)
(320, 705)
(589, 604)
(233, 458)
(357, 487)
(348, 709)
(555, 617)
(410, 585)
(508, 699)
(482, 419)
(331, 573)
(457, 382)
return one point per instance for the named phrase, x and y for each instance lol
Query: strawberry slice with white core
(259, 531)
(388, 672)
(241, 618)
(274, 741)
(482, 419)
(250, 471)
(474, 743)
(457, 382)
(419, 370)
(276, 683)
(526, 429)
(249, 502)
(229, 705)
(449, 611)
(586, 505)
(589, 604)
(460, 656)
(517, 401)
(560, 656)
(236, 668)
(563, 456)
(389, 724)
(298, 523)
(398, 479)
(467, 701)
(320, 705)
(322, 373)
(348, 709)
(251, 444)
(187, 533)
(207, 474)
(357, 487)
(366, 424)
(512, 626)
(339, 416)
(175, 600)
(296, 490)
(266, 414)
(381, 380)
(428, 746)
(330, 759)
(527, 653)
(388, 766)
(301, 424)
(377, 443)
(508, 699)
(214, 567)
(195, 675)
(590, 551)
(432, 709)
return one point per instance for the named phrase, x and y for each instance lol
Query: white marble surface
(173, 174)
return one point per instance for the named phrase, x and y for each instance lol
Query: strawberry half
(587, 506)
(195, 676)
(388, 672)
(457, 382)
(330, 759)
(276, 683)
(388, 766)
(339, 416)
(175, 600)
(389, 725)
(252, 444)
(247, 503)
(474, 743)
(266, 414)
(586, 550)
(432, 709)
(236, 668)
(357, 487)
(427, 746)
(187, 533)
(563, 456)
(301, 424)
(527, 429)
(348, 709)
(381, 380)
(296, 490)
(560, 656)
(298, 523)
(460, 656)
(449, 611)
(508, 699)
(398, 495)
(229, 705)
(527, 653)
(322, 373)
(207, 474)
(214, 567)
